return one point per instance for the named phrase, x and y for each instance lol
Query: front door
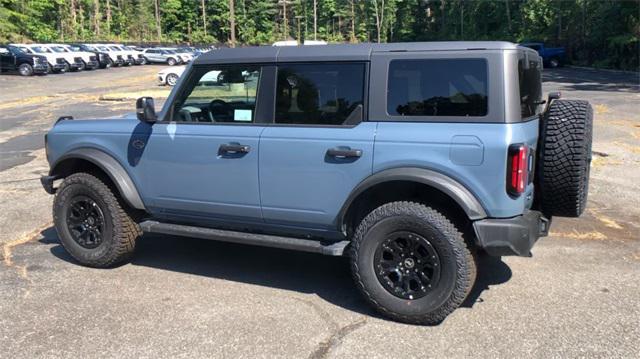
(319, 147)
(201, 161)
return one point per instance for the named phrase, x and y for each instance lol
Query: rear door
(319, 147)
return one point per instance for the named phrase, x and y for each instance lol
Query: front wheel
(172, 79)
(25, 70)
(91, 222)
(171, 61)
(411, 263)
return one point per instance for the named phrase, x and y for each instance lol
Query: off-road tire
(25, 70)
(565, 158)
(458, 265)
(120, 232)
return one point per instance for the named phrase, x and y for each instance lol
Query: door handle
(343, 152)
(233, 148)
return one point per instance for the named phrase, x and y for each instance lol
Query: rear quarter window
(437, 87)
(530, 83)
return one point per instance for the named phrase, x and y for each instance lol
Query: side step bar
(297, 244)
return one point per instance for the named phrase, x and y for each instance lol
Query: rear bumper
(511, 236)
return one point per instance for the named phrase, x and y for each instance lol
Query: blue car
(409, 158)
(551, 56)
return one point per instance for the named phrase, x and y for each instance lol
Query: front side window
(320, 94)
(530, 81)
(437, 87)
(225, 94)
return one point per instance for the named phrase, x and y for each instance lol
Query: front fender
(111, 167)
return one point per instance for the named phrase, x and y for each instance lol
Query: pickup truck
(551, 56)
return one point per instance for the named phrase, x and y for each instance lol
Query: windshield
(170, 51)
(103, 48)
(75, 48)
(114, 48)
(40, 49)
(59, 49)
(24, 49)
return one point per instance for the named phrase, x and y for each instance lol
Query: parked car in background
(102, 56)
(185, 54)
(55, 62)
(170, 76)
(114, 57)
(551, 56)
(74, 62)
(132, 53)
(89, 59)
(13, 59)
(161, 55)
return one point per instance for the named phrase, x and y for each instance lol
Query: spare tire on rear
(564, 158)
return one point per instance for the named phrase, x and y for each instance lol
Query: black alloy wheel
(407, 265)
(85, 222)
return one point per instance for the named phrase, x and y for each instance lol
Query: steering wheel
(220, 110)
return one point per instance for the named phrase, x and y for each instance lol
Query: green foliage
(605, 33)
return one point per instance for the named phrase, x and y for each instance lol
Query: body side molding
(450, 187)
(112, 167)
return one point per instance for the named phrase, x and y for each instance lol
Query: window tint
(320, 94)
(530, 80)
(437, 87)
(225, 94)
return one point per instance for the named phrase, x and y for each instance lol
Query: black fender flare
(449, 186)
(111, 167)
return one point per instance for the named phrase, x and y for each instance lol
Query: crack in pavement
(337, 332)
(334, 341)
(7, 248)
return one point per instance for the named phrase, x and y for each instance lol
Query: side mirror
(146, 110)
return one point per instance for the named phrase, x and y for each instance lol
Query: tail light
(517, 169)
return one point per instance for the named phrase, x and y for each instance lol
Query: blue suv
(410, 158)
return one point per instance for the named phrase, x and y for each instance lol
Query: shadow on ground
(328, 277)
(593, 80)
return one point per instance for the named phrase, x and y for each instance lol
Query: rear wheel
(565, 158)
(92, 224)
(25, 70)
(411, 263)
(171, 61)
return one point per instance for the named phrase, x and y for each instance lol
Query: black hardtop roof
(338, 52)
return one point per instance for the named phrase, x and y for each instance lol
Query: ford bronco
(409, 158)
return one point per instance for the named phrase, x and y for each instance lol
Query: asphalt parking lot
(579, 296)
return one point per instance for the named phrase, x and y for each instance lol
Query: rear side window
(320, 94)
(437, 87)
(530, 81)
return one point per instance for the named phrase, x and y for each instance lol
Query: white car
(131, 53)
(89, 58)
(170, 75)
(185, 55)
(55, 62)
(74, 61)
(116, 57)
